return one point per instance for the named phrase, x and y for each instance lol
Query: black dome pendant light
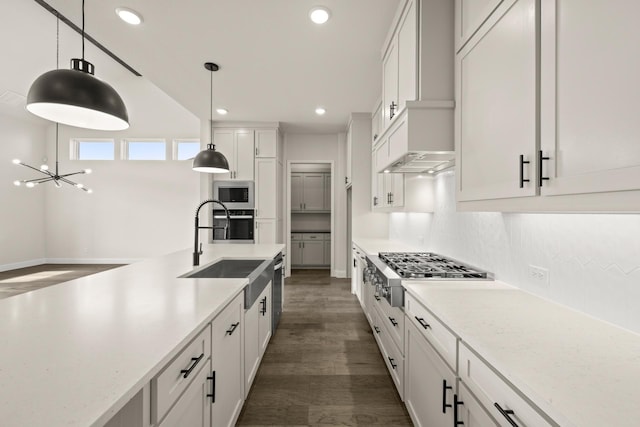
(210, 160)
(76, 98)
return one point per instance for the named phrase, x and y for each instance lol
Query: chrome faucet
(198, 251)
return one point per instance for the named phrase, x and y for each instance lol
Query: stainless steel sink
(258, 271)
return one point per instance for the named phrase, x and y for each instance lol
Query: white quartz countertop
(73, 354)
(581, 371)
(374, 246)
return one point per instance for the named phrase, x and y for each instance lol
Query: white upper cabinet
(390, 83)
(238, 147)
(265, 187)
(470, 14)
(496, 105)
(589, 96)
(266, 143)
(309, 192)
(407, 46)
(376, 122)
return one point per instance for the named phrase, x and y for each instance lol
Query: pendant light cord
(211, 110)
(83, 30)
(57, 41)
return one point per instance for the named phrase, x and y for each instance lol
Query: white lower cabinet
(193, 409)
(470, 411)
(429, 387)
(228, 369)
(257, 332)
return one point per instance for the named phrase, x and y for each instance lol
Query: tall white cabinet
(237, 145)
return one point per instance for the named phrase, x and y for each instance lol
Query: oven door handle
(233, 217)
(278, 266)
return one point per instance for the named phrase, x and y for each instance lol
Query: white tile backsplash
(593, 259)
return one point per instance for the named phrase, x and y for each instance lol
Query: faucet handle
(200, 251)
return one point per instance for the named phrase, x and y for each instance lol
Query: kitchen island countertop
(75, 353)
(374, 246)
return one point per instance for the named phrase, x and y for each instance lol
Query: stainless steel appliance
(388, 269)
(277, 291)
(240, 229)
(235, 194)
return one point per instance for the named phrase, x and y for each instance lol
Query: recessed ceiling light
(129, 16)
(319, 14)
(431, 171)
(320, 111)
(222, 111)
(386, 171)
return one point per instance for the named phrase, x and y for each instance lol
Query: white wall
(303, 148)
(593, 259)
(138, 209)
(22, 213)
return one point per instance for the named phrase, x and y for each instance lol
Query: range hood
(419, 140)
(423, 162)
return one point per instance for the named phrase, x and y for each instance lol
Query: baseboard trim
(22, 264)
(340, 274)
(91, 260)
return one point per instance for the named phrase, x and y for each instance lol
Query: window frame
(74, 148)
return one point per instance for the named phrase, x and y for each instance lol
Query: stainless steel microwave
(234, 194)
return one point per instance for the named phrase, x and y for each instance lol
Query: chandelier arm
(70, 174)
(65, 180)
(36, 169)
(38, 180)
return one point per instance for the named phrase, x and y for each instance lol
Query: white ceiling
(275, 64)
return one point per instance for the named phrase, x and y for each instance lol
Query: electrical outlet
(539, 276)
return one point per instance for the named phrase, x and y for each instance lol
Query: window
(144, 149)
(185, 149)
(92, 149)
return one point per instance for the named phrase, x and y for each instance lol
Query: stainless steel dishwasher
(277, 291)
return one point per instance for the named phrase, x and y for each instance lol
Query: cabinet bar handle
(541, 178)
(456, 403)
(390, 197)
(391, 361)
(423, 322)
(256, 151)
(375, 201)
(195, 361)
(506, 412)
(392, 109)
(232, 328)
(213, 387)
(522, 163)
(393, 321)
(346, 180)
(377, 297)
(375, 328)
(445, 405)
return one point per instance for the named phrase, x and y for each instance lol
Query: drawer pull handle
(393, 321)
(422, 322)
(375, 328)
(377, 297)
(213, 387)
(195, 361)
(456, 403)
(263, 311)
(232, 328)
(522, 163)
(445, 405)
(541, 178)
(391, 361)
(506, 413)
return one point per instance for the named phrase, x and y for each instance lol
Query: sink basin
(228, 268)
(258, 271)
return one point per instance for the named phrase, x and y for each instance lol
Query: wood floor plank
(323, 367)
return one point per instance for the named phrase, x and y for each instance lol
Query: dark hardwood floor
(322, 367)
(21, 280)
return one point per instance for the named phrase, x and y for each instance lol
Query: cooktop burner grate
(429, 265)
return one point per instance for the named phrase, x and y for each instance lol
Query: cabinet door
(390, 82)
(471, 412)
(224, 141)
(297, 191)
(496, 105)
(193, 409)
(313, 191)
(589, 89)
(251, 345)
(244, 156)
(396, 188)
(398, 141)
(265, 231)
(382, 198)
(227, 364)
(349, 159)
(381, 157)
(264, 320)
(407, 56)
(427, 382)
(312, 253)
(470, 14)
(296, 253)
(327, 192)
(327, 252)
(266, 143)
(376, 124)
(265, 187)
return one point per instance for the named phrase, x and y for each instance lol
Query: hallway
(322, 367)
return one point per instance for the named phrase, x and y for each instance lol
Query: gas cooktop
(421, 265)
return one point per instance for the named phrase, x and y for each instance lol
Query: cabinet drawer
(392, 356)
(492, 391)
(471, 412)
(326, 236)
(167, 387)
(393, 319)
(312, 236)
(296, 236)
(435, 332)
